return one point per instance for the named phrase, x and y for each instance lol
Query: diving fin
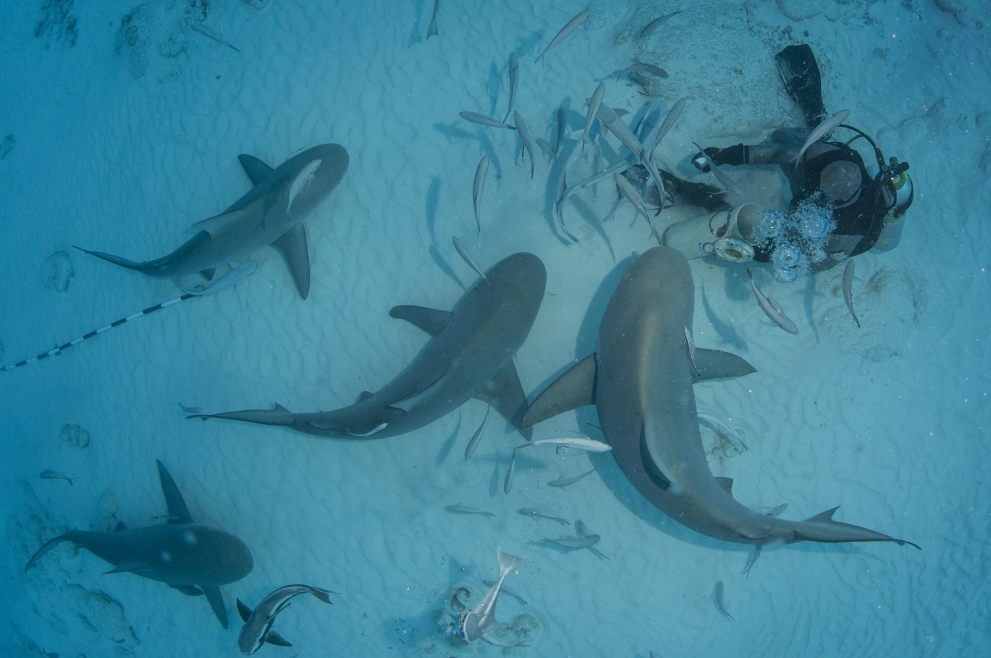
(800, 74)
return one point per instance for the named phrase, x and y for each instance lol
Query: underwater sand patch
(57, 272)
(74, 436)
(56, 23)
(6, 146)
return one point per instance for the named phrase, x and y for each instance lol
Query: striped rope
(115, 323)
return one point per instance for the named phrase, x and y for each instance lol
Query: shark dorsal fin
(120, 527)
(292, 246)
(279, 407)
(823, 517)
(429, 320)
(505, 393)
(575, 388)
(216, 600)
(714, 364)
(243, 610)
(726, 484)
(178, 512)
(208, 273)
(272, 637)
(256, 169)
(365, 395)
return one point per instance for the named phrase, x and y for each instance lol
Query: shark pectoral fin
(256, 169)
(292, 246)
(188, 590)
(273, 637)
(650, 443)
(219, 224)
(726, 484)
(216, 600)
(714, 364)
(128, 566)
(243, 610)
(178, 512)
(365, 395)
(429, 320)
(206, 274)
(505, 393)
(575, 388)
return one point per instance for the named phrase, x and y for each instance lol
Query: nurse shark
(469, 355)
(271, 213)
(640, 380)
(192, 558)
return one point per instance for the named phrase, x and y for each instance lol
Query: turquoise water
(120, 127)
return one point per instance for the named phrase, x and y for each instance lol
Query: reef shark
(192, 558)
(271, 213)
(469, 355)
(640, 380)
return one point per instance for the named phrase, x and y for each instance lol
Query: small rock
(58, 272)
(75, 436)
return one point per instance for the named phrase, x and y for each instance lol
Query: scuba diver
(838, 209)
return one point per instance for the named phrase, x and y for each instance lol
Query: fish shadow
(448, 445)
(414, 35)
(727, 332)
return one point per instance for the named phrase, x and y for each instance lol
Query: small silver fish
(564, 481)
(373, 431)
(631, 194)
(476, 192)
(581, 443)
(611, 120)
(848, 289)
(432, 29)
(822, 130)
(525, 136)
(593, 108)
(655, 24)
(572, 25)
(751, 561)
(467, 258)
(666, 125)
(232, 278)
(717, 600)
(302, 178)
(190, 410)
(562, 187)
(483, 120)
(641, 67)
(562, 127)
(464, 509)
(476, 437)
(210, 34)
(574, 543)
(537, 514)
(723, 179)
(508, 482)
(776, 315)
(583, 532)
(514, 81)
(50, 474)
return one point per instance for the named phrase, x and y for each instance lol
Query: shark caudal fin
(822, 528)
(49, 545)
(277, 416)
(116, 260)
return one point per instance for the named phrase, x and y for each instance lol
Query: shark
(270, 213)
(193, 558)
(469, 354)
(640, 380)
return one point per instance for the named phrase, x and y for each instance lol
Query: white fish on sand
(848, 289)
(210, 34)
(237, 274)
(476, 192)
(581, 443)
(465, 509)
(777, 317)
(302, 179)
(514, 82)
(824, 129)
(572, 25)
(467, 257)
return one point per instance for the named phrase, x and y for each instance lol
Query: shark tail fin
(277, 416)
(116, 260)
(823, 528)
(322, 594)
(47, 546)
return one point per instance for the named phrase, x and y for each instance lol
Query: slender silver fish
(508, 482)
(725, 180)
(302, 179)
(525, 136)
(237, 274)
(630, 193)
(467, 258)
(666, 125)
(709, 418)
(476, 437)
(432, 30)
(574, 543)
(210, 34)
(464, 509)
(476, 192)
(537, 514)
(483, 120)
(848, 289)
(822, 130)
(717, 600)
(50, 474)
(562, 187)
(581, 443)
(583, 532)
(644, 68)
(593, 108)
(609, 117)
(776, 315)
(751, 561)
(655, 24)
(562, 127)
(257, 629)
(564, 481)
(514, 81)
(572, 25)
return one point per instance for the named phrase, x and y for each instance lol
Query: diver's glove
(731, 155)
